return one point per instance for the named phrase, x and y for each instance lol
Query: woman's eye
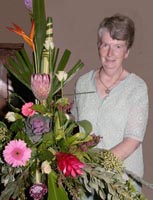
(104, 45)
(118, 46)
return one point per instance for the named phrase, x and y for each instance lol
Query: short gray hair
(120, 27)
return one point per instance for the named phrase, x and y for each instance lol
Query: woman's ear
(127, 53)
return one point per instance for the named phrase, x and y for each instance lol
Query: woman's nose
(110, 51)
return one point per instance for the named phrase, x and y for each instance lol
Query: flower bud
(45, 167)
(28, 4)
(10, 116)
(61, 75)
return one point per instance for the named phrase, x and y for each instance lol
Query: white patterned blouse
(123, 113)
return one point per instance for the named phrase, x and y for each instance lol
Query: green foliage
(54, 191)
(21, 67)
(39, 16)
(107, 183)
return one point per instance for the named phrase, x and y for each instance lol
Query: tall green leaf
(20, 66)
(64, 60)
(55, 192)
(40, 26)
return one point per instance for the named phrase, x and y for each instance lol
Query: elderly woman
(118, 106)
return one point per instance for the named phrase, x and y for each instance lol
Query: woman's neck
(111, 75)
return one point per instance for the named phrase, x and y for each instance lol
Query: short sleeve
(74, 109)
(83, 85)
(138, 113)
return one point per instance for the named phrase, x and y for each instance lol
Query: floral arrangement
(43, 153)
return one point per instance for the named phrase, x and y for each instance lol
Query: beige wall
(75, 25)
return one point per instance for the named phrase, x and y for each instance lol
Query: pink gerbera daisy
(27, 109)
(16, 153)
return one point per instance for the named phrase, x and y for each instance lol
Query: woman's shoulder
(85, 82)
(137, 81)
(137, 89)
(87, 77)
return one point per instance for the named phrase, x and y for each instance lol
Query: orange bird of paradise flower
(19, 31)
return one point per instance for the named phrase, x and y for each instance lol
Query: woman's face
(112, 52)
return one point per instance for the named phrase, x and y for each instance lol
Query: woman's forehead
(106, 37)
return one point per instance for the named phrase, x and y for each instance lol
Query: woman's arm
(125, 148)
(136, 124)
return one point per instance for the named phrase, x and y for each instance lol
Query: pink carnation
(38, 190)
(27, 109)
(69, 164)
(16, 153)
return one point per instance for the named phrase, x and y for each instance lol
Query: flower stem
(38, 173)
(35, 62)
(62, 89)
(37, 176)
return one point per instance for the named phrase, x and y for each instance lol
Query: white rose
(62, 76)
(45, 167)
(10, 116)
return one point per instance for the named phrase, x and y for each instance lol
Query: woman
(118, 106)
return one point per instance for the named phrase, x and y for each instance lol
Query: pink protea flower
(38, 190)
(16, 153)
(69, 164)
(40, 85)
(27, 109)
